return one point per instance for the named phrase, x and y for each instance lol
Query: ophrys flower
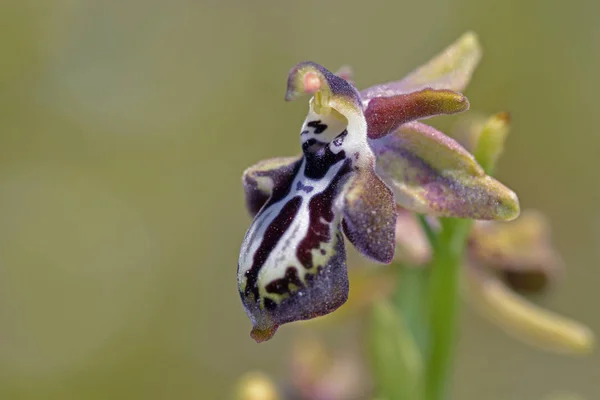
(362, 153)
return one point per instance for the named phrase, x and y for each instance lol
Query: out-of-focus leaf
(526, 321)
(397, 362)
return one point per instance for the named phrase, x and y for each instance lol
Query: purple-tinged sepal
(431, 173)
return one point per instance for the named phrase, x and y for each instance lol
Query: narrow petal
(431, 173)
(385, 114)
(451, 69)
(260, 179)
(524, 320)
(370, 217)
(520, 250)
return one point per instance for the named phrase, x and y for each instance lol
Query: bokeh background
(124, 129)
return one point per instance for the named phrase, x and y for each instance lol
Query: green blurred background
(124, 129)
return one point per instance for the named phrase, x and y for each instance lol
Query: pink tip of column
(312, 83)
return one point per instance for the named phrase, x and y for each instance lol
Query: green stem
(429, 232)
(443, 304)
(427, 303)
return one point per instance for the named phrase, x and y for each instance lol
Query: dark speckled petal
(260, 179)
(431, 173)
(370, 217)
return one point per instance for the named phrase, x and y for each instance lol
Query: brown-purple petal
(386, 114)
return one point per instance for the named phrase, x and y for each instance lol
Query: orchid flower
(364, 153)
